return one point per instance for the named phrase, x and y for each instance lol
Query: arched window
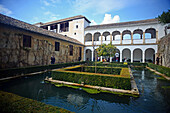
(126, 35)
(150, 33)
(106, 36)
(116, 35)
(137, 34)
(88, 37)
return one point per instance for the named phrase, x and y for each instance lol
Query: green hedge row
(161, 69)
(99, 69)
(109, 64)
(103, 70)
(95, 80)
(11, 103)
(24, 70)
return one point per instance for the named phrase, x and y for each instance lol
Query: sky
(97, 11)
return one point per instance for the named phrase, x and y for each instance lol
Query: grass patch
(11, 103)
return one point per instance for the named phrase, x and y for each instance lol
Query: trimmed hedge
(113, 64)
(161, 69)
(93, 79)
(100, 69)
(103, 70)
(24, 70)
(11, 103)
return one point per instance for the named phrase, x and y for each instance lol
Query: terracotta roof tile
(19, 24)
(66, 19)
(121, 24)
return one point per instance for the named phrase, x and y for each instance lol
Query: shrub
(161, 69)
(25, 70)
(93, 79)
(11, 103)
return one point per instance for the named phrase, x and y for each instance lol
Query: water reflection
(153, 97)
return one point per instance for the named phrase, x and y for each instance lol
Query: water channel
(154, 95)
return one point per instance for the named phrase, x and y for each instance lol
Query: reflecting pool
(154, 95)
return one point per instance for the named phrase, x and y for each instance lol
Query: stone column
(143, 37)
(110, 59)
(111, 38)
(92, 55)
(58, 28)
(84, 55)
(92, 40)
(120, 56)
(132, 56)
(156, 36)
(101, 39)
(131, 38)
(121, 38)
(143, 59)
(49, 28)
(100, 58)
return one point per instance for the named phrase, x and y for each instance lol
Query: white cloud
(108, 19)
(93, 22)
(50, 16)
(45, 2)
(4, 10)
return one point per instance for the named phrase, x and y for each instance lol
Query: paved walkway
(163, 75)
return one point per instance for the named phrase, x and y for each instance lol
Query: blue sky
(97, 11)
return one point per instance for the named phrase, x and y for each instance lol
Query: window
(57, 46)
(26, 41)
(71, 50)
(64, 27)
(77, 26)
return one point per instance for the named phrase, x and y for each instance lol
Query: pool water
(154, 96)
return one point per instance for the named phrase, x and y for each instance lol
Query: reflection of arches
(150, 33)
(106, 36)
(116, 35)
(88, 37)
(126, 35)
(137, 34)
(88, 54)
(96, 36)
(126, 54)
(150, 55)
(137, 55)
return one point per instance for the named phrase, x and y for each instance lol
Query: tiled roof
(66, 19)
(19, 24)
(121, 24)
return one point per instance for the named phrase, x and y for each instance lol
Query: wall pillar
(111, 38)
(49, 28)
(110, 59)
(101, 39)
(143, 59)
(121, 38)
(58, 28)
(131, 38)
(156, 36)
(100, 58)
(92, 40)
(132, 56)
(143, 37)
(84, 55)
(120, 56)
(92, 55)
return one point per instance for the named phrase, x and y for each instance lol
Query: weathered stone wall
(164, 51)
(13, 54)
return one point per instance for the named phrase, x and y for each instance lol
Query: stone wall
(164, 51)
(13, 54)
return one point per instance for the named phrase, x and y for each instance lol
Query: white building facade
(137, 41)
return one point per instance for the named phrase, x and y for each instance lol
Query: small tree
(164, 18)
(106, 50)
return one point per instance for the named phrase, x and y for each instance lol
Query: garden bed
(11, 103)
(121, 81)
